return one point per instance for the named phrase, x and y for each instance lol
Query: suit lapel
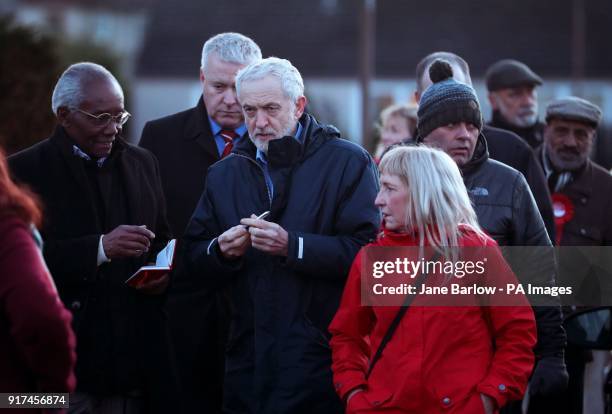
(77, 173)
(130, 172)
(198, 128)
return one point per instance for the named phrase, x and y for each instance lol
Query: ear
(63, 116)
(202, 77)
(300, 106)
(493, 100)
(417, 97)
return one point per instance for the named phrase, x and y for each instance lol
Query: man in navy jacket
(284, 274)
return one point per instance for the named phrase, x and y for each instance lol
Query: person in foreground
(37, 346)
(464, 359)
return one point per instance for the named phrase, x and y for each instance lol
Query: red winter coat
(37, 346)
(440, 359)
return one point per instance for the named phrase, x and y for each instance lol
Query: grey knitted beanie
(446, 101)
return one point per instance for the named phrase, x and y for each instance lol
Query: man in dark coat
(512, 87)
(104, 217)
(449, 118)
(284, 274)
(186, 145)
(582, 196)
(504, 146)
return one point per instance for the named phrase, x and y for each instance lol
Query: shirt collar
(216, 128)
(81, 154)
(261, 156)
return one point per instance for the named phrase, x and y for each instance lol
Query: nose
(229, 97)
(112, 128)
(261, 119)
(379, 201)
(528, 98)
(462, 131)
(570, 140)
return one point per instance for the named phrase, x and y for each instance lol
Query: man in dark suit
(104, 217)
(186, 144)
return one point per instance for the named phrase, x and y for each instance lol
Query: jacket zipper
(262, 172)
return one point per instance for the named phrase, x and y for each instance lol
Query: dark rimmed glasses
(102, 120)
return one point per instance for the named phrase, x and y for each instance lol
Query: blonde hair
(438, 205)
(406, 111)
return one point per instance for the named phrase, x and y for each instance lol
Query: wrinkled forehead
(268, 88)
(571, 122)
(102, 95)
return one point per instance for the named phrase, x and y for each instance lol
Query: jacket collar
(287, 151)
(129, 172)
(481, 154)
(532, 134)
(582, 179)
(198, 128)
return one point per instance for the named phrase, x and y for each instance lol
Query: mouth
(104, 145)
(459, 151)
(265, 137)
(569, 154)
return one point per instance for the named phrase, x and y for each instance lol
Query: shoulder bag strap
(396, 321)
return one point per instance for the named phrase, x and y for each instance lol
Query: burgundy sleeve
(38, 322)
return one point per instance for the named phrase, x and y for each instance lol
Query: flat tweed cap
(572, 108)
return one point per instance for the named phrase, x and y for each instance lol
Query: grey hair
(231, 47)
(68, 91)
(292, 83)
(438, 204)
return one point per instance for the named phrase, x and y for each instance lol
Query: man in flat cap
(514, 99)
(582, 198)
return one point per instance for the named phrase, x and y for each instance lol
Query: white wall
(156, 98)
(338, 101)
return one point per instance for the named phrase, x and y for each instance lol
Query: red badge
(563, 209)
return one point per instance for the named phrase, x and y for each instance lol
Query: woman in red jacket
(37, 346)
(461, 359)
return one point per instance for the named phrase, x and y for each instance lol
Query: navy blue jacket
(278, 358)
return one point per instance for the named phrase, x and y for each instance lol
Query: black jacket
(507, 211)
(507, 147)
(278, 358)
(589, 195)
(185, 147)
(118, 329)
(533, 135)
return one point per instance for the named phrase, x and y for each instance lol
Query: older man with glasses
(104, 218)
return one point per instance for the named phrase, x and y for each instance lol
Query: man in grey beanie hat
(449, 118)
(503, 145)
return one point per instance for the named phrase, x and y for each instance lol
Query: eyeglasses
(104, 119)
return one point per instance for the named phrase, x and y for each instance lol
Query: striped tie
(228, 136)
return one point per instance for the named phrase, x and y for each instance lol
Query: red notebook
(163, 264)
